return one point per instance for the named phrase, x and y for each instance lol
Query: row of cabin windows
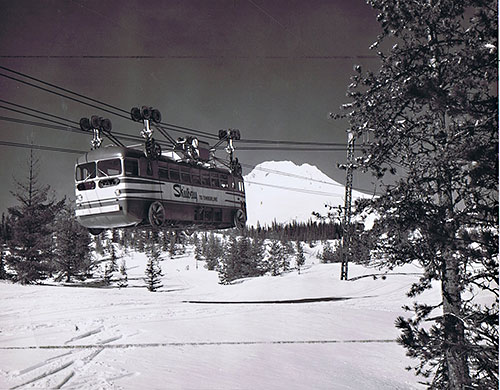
(185, 175)
(113, 167)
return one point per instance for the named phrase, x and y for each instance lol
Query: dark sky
(274, 69)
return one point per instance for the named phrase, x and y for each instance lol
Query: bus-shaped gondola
(122, 187)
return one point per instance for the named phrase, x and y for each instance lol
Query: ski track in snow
(256, 336)
(53, 372)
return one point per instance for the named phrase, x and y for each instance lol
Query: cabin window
(224, 181)
(218, 215)
(85, 171)
(214, 179)
(109, 167)
(195, 176)
(185, 176)
(163, 173)
(131, 167)
(205, 178)
(208, 214)
(173, 171)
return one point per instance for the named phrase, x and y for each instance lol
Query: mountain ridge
(284, 192)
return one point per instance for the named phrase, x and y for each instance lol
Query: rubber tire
(239, 219)
(156, 214)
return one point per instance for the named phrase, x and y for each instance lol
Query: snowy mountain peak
(282, 191)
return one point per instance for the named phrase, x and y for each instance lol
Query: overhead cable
(41, 147)
(126, 114)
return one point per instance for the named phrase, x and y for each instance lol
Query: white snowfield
(284, 192)
(259, 333)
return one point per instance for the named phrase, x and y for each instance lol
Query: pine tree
(275, 258)
(204, 242)
(72, 254)
(108, 274)
(300, 259)
(229, 259)
(3, 272)
(258, 252)
(32, 222)
(115, 236)
(246, 263)
(213, 252)
(153, 270)
(432, 112)
(113, 257)
(123, 278)
(173, 247)
(328, 255)
(99, 248)
(198, 252)
(288, 251)
(3, 230)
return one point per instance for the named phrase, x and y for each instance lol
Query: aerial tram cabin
(183, 189)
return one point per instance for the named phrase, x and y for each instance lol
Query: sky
(274, 69)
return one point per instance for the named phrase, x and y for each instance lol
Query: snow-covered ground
(197, 334)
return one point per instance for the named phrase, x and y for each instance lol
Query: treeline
(296, 231)
(240, 257)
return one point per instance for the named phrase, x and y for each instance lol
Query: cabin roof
(120, 152)
(109, 152)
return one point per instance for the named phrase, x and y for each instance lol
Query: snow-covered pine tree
(275, 259)
(32, 222)
(246, 264)
(165, 241)
(123, 277)
(288, 251)
(328, 254)
(115, 236)
(213, 252)
(72, 254)
(181, 242)
(432, 113)
(228, 262)
(300, 259)
(113, 257)
(198, 252)
(153, 270)
(258, 253)
(108, 274)
(204, 242)
(173, 248)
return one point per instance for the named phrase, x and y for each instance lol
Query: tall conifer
(431, 113)
(32, 224)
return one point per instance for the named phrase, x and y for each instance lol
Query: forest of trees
(297, 231)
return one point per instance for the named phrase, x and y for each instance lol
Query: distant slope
(284, 191)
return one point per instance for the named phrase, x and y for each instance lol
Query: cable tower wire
(346, 220)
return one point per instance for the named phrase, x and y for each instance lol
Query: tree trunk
(454, 337)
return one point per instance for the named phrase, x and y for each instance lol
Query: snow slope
(283, 191)
(111, 338)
